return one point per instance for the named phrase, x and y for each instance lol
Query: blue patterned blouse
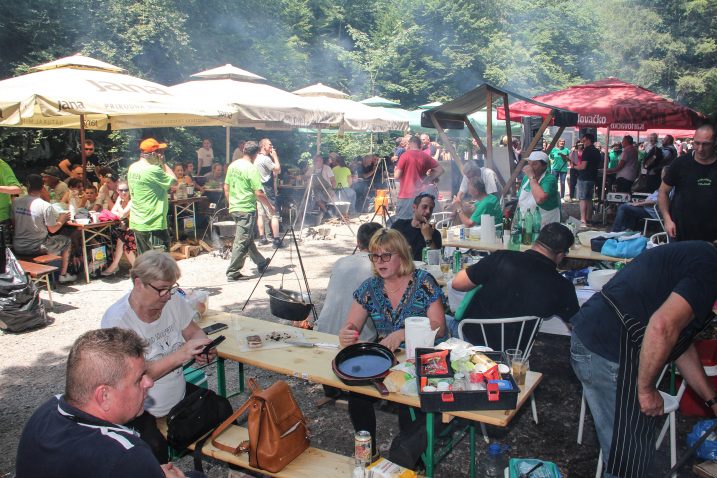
(422, 291)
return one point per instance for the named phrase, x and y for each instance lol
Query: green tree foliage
(412, 51)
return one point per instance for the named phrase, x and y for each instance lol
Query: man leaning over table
(35, 219)
(622, 338)
(242, 189)
(149, 179)
(82, 432)
(515, 284)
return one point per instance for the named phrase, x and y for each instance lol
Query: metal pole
(82, 147)
(604, 177)
(228, 145)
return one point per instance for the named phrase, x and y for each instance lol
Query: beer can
(362, 447)
(457, 259)
(462, 232)
(424, 255)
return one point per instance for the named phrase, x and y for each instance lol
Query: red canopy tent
(614, 104)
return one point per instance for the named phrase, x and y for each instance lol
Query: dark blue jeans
(628, 217)
(561, 179)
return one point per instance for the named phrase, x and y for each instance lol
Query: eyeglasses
(165, 292)
(122, 190)
(385, 257)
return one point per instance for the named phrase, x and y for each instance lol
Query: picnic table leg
(176, 222)
(429, 445)
(221, 378)
(194, 220)
(473, 450)
(84, 256)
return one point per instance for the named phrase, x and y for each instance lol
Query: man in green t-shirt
(559, 160)
(149, 180)
(9, 186)
(242, 189)
(485, 204)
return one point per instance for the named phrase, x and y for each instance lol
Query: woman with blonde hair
(122, 236)
(396, 291)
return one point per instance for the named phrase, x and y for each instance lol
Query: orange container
(380, 201)
(381, 193)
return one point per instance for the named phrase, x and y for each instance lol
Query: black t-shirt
(414, 237)
(686, 268)
(93, 164)
(60, 441)
(591, 155)
(694, 205)
(516, 284)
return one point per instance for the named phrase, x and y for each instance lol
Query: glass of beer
(518, 364)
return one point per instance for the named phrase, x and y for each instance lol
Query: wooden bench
(46, 259)
(313, 463)
(39, 273)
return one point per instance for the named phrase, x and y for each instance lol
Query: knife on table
(323, 345)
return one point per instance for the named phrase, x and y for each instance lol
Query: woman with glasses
(164, 320)
(122, 236)
(396, 291)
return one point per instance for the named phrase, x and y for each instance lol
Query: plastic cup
(518, 364)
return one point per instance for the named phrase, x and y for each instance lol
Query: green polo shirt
(148, 187)
(7, 178)
(557, 162)
(243, 180)
(488, 205)
(549, 183)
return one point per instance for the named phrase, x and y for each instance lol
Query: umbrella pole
(228, 134)
(604, 176)
(318, 150)
(82, 147)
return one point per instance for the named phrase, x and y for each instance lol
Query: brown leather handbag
(277, 428)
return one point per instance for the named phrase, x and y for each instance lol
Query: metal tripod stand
(305, 202)
(389, 182)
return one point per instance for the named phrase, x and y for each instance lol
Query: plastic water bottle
(528, 228)
(537, 225)
(496, 461)
(515, 232)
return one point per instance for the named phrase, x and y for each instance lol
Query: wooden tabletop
(579, 252)
(91, 225)
(314, 364)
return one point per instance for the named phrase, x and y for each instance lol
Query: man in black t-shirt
(418, 231)
(645, 317)
(80, 433)
(93, 162)
(692, 213)
(517, 284)
(587, 175)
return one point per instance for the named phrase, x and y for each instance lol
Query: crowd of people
(124, 376)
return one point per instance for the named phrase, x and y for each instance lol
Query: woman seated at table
(180, 170)
(539, 189)
(73, 194)
(107, 194)
(398, 290)
(485, 204)
(122, 236)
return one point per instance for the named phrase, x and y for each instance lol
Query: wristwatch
(712, 402)
(430, 241)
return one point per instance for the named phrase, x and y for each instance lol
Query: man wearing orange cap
(149, 180)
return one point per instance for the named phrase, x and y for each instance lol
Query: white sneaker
(67, 278)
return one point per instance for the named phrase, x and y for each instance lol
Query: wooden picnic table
(94, 231)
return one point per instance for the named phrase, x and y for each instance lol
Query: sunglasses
(165, 292)
(385, 257)
(122, 190)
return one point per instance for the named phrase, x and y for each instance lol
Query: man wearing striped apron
(622, 338)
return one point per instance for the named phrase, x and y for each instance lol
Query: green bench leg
(222, 379)
(473, 450)
(429, 445)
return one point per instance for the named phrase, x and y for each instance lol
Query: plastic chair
(443, 219)
(657, 219)
(529, 326)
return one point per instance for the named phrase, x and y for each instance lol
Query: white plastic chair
(657, 219)
(443, 218)
(529, 326)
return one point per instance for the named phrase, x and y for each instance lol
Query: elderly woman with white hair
(164, 320)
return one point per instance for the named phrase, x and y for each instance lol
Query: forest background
(410, 51)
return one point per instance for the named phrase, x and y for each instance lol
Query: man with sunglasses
(418, 231)
(515, 284)
(165, 321)
(93, 162)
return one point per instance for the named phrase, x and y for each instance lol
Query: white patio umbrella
(85, 93)
(357, 117)
(257, 105)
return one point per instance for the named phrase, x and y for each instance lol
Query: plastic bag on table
(198, 299)
(20, 305)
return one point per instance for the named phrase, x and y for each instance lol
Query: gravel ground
(32, 366)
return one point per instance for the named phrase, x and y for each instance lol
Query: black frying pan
(364, 364)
